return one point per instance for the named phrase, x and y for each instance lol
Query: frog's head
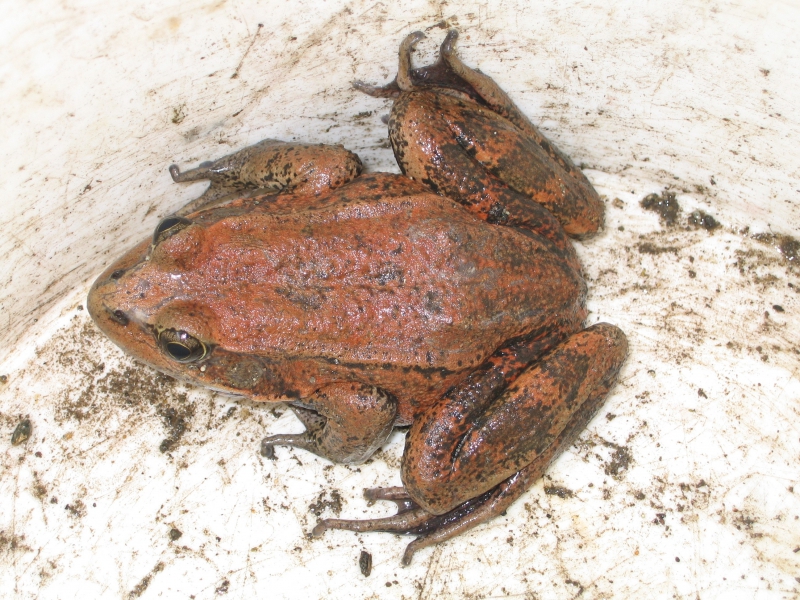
(149, 303)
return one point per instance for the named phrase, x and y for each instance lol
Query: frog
(447, 300)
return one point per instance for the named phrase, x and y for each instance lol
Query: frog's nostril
(118, 317)
(117, 274)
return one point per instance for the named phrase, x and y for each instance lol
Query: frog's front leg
(474, 453)
(345, 423)
(272, 166)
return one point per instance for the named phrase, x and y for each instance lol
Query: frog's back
(384, 275)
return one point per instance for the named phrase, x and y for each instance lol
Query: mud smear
(142, 586)
(788, 246)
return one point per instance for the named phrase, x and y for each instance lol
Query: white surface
(98, 98)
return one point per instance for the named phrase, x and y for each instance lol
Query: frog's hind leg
(271, 166)
(479, 449)
(477, 157)
(498, 100)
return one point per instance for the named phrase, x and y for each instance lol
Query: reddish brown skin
(403, 288)
(449, 299)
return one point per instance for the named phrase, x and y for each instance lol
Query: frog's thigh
(347, 423)
(450, 460)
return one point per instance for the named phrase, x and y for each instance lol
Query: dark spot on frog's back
(390, 272)
(310, 300)
(433, 302)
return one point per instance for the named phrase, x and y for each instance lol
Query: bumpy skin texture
(380, 282)
(272, 165)
(453, 303)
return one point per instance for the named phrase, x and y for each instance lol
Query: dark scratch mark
(246, 52)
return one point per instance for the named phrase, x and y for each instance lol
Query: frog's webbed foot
(404, 79)
(431, 529)
(345, 423)
(439, 74)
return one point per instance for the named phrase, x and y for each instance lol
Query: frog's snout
(100, 304)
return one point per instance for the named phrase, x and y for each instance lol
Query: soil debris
(558, 490)
(786, 245)
(365, 563)
(703, 220)
(21, 432)
(651, 248)
(665, 205)
(334, 503)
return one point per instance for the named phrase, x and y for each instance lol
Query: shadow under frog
(449, 298)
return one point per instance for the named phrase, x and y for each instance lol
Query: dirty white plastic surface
(687, 484)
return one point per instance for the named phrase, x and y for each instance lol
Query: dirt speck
(177, 421)
(558, 490)
(786, 245)
(665, 205)
(21, 432)
(76, 508)
(651, 248)
(11, 542)
(333, 503)
(620, 460)
(223, 587)
(178, 114)
(703, 220)
(365, 563)
(39, 488)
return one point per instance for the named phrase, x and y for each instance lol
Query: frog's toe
(398, 495)
(448, 47)
(390, 90)
(403, 79)
(300, 440)
(199, 174)
(267, 449)
(409, 521)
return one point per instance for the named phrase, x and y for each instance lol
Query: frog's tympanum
(448, 299)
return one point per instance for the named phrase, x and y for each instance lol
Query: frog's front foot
(345, 423)
(201, 173)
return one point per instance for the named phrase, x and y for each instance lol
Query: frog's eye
(168, 227)
(180, 346)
